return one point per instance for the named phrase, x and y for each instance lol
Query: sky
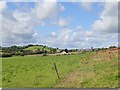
(59, 24)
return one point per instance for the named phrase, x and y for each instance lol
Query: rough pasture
(88, 70)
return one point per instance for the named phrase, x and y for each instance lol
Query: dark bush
(22, 54)
(44, 54)
(6, 55)
(112, 47)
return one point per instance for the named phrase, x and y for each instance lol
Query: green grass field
(88, 70)
(0, 72)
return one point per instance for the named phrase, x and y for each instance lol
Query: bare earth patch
(75, 79)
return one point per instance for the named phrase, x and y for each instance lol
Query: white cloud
(68, 38)
(45, 10)
(87, 5)
(60, 39)
(108, 22)
(54, 34)
(92, 0)
(17, 29)
(90, 34)
(2, 5)
(79, 27)
(18, 26)
(61, 0)
(63, 22)
(21, 16)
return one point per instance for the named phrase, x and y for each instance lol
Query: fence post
(110, 55)
(56, 71)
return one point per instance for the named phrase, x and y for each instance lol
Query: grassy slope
(97, 72)
(78, 71)
(37, 47)
(40, 47)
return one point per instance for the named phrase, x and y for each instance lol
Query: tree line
(22, 50)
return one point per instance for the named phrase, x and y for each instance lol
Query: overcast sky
(59, 24)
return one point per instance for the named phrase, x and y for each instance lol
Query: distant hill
(28, 50)
(41, 48)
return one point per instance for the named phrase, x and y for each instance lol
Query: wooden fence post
(56, 71)
(110, 55)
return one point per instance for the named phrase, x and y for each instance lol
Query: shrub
(6, 55)
(44, 54)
